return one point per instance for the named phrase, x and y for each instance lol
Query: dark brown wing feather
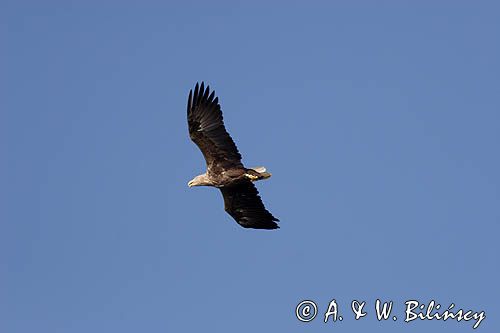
(243, 203)
(206, 129)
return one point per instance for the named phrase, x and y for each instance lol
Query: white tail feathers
(262, 172)
(259, 169)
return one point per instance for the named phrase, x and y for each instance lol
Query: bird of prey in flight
(224, 168)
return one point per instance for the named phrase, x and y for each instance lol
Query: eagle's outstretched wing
(243, 203)
(206, 129)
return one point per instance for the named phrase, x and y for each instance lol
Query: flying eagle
(224, 168)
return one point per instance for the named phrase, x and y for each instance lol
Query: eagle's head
(200, 180)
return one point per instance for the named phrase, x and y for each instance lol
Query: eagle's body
(224, 168)
(230, 177)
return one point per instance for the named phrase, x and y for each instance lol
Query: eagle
(225, 170)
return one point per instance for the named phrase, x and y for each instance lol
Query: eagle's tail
(261, 173)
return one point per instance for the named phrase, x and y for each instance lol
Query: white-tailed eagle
(224, 168)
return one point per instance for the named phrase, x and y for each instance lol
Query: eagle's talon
(251, 177)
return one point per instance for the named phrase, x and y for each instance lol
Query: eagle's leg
(254, 175)
(251, 177)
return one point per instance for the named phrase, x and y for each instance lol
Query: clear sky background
(380, 124)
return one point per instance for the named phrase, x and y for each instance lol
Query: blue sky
(380, 124)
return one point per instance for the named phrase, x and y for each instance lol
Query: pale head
(200, 180)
